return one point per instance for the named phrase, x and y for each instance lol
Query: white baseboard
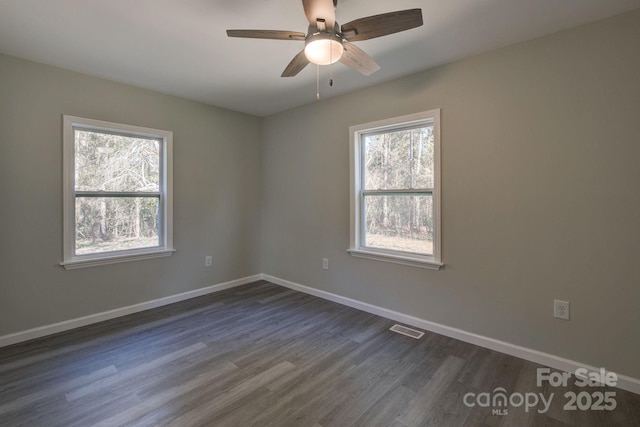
(624, 382)
(118, 312)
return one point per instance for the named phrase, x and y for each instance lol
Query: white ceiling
(180, 47)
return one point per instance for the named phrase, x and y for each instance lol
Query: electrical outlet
(561, 309)
(325, 263)
(208, 261)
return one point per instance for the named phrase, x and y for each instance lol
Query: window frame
(357, 191)
(165, 208)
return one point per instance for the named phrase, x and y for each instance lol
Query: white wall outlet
(208, 261)
(325, 263)
(561, 309)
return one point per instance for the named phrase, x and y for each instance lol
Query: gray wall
(540, 144)
(540, 199)
(216, 196)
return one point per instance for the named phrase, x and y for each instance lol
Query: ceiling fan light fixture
(323, 48)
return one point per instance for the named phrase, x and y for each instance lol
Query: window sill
(397, 259)
(114, 259)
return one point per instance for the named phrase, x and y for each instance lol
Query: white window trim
(165, 247)
(355, 141)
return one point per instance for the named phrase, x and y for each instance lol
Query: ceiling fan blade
(356, 58)
(320, 9)
(267, 34)
(296, 65)
(382, 25)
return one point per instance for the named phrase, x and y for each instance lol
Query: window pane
(399, 222)
(399, 160)
(422, 159)
(105, 224)
(111, 162)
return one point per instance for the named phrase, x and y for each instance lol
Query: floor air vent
(407, 331)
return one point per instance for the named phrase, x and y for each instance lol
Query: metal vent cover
(407, 331)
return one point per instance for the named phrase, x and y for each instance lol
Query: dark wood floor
(263, 355)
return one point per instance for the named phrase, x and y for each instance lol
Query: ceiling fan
(327, 42)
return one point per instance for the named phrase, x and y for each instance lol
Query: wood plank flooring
(263, 355)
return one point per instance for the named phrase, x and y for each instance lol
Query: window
(117, 192)
(395, 190)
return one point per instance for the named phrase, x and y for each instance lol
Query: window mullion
(398, 192)
(116, 194)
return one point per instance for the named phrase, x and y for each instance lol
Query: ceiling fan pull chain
(331, 75)
(317, 82)
(331, 68)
